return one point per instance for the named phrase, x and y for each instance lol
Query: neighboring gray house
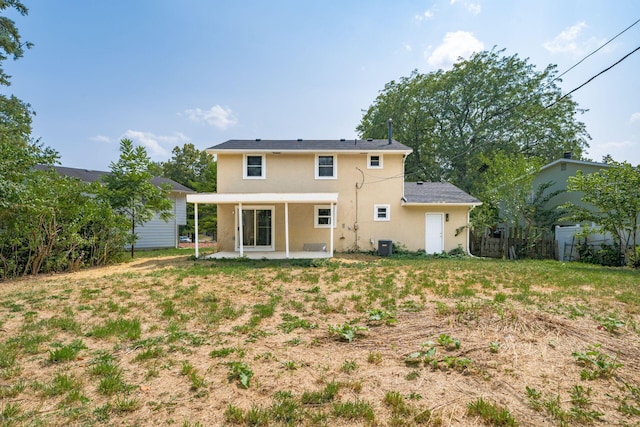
(155, 233)
(565, 232)
(559, 172)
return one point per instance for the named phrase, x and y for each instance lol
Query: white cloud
(474, 8)
(155, 144)
(216, 116)
(620, 150)
(428, 14)
(566, 40)
(635, 117)
(101, 138)
(570, 41)
(407, 47)
(454, 45)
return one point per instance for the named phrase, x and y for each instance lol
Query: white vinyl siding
(157, 233)
(180, 209)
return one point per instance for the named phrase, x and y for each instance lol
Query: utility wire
(588, 81)
(609, 41)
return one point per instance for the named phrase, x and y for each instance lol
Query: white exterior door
(434, 233)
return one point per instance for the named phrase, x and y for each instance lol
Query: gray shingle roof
(87, 175)
(258, 145)
(436, 192)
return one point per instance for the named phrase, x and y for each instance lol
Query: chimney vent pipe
(390, 130)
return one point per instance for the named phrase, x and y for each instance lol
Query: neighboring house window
(322, 216)
(326, 167)
(374, 161)
(381, 212)
(254, 166)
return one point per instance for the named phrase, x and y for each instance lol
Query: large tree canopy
(197, 170)
(47, 222)
(487, 104)
(191, 167)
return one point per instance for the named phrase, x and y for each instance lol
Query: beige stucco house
(295, 196)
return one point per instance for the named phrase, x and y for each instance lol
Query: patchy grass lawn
(165, 340)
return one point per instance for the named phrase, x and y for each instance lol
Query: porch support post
(286, 229)
(240, 232)
(195, 220)
(333, 223)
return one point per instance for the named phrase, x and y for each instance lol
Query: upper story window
(326, 166)
(374, 161)
(254, 166)
(381, 212)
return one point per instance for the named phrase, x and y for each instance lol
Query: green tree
(612, 196)
(488, 103)
(11, 44)
(47, 222)
(197, 170)
(18, 154)
(508, 189)
(536, 215)
(130, 191)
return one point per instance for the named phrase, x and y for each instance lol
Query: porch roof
(232, 198)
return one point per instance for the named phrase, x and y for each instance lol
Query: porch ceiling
(232, 198)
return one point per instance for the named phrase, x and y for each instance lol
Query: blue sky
(164, 73)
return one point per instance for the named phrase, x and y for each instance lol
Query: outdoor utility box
(385, 247)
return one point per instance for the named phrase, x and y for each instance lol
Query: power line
(609, 41)
(588, 81)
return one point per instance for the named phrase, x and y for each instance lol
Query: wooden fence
(519, 245)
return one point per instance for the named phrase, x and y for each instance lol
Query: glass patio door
(257, 228)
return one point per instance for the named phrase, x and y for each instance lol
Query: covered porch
(272, 255)
(253, 224)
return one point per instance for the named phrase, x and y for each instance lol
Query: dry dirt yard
(349, 341)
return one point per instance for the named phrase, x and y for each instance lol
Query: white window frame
(316, 216)
(370, 166)
(263, 166)
(387, 217)
(335, 166)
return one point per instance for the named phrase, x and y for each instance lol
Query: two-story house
(293, 196)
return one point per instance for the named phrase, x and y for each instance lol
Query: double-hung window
(374, 161)
(326, 166)
(322, 216)
(254, 166)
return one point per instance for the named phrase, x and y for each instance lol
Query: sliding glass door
(257, 228)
